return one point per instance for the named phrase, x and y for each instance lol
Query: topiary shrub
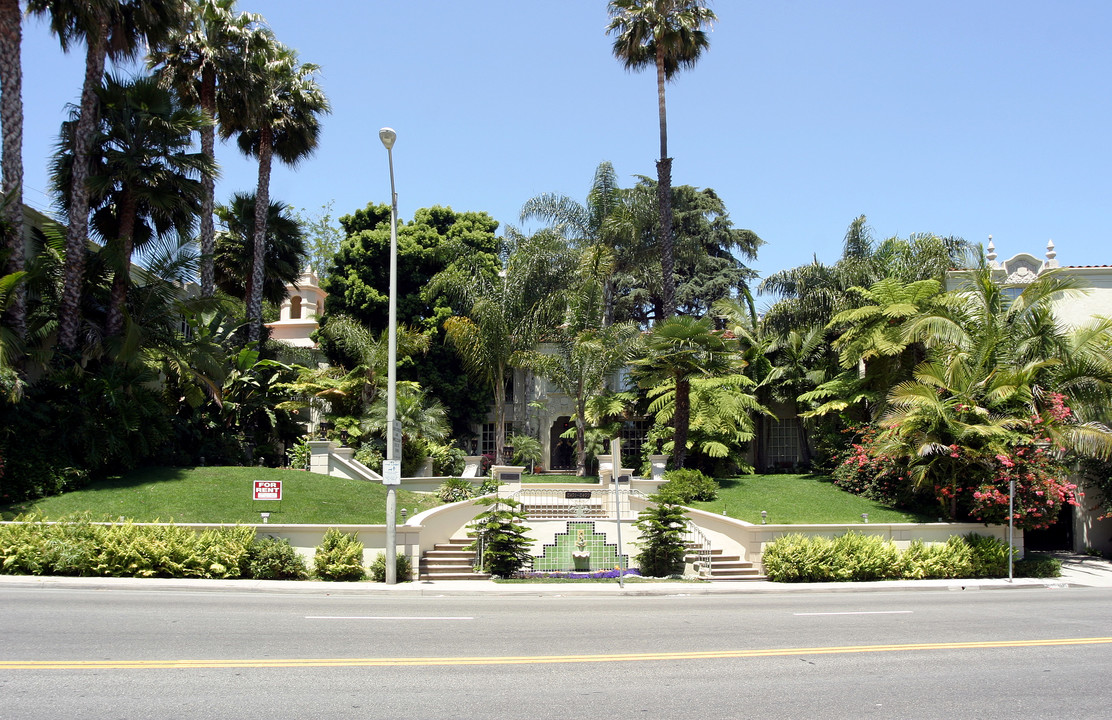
(403, 568)
(455, 490)
(662, 546)
(500, 537)
(687, 486)
(271, 558)
(339, 557)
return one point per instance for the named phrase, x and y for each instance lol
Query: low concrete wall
(756, 537)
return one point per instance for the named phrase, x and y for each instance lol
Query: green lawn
(797, 499)
(223, 494)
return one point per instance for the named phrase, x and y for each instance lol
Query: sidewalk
(1077, 571)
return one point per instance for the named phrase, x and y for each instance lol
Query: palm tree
(679, 350)
(422, 418)
(589, 225)
(11, 124)
(109, 28)
(282, 118)
(205, 61)
(505, 313)
(579, 368)
(235, 249)
(669, 35)
(142, 180)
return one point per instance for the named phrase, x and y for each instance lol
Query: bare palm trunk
(208, 184)
(258, 257)
(76, 235)
(581, 434)
(681, 420)
(664, 198)
(11, 120)
(499, 416)
(121, 278)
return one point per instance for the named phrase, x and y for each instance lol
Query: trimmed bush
(800, 558)
(687, 486)
(1038, 566)
(865, 557)
(271, 558)
(990, 555)
(339, 557)
(953, 559)
(403, 569)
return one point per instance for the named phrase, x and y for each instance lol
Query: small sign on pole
(268, 490)
(391, 472)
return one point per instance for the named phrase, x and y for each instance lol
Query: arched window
(295, 307)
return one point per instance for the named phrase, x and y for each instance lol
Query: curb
(486, 588)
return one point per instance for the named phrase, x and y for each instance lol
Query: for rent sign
(268, 489)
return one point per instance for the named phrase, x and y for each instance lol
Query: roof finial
(991, 256)
(1051, 254)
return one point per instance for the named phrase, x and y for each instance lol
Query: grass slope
(797, 499)
(223, 494)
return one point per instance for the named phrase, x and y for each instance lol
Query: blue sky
(969, 118)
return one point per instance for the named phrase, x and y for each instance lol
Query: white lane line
(381, 617)
(860, 612)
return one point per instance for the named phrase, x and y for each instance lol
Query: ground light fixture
(391, 467)
(764, 516)
(864, 517)
(265, 516)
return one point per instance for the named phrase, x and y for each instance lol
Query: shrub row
(84, 549)
(800, 558)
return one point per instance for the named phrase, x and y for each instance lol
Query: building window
(295, 307)
(783, 443)
(486, 441)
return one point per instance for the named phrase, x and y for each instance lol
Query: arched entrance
(561, 453)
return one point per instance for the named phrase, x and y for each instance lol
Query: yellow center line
(526, 659)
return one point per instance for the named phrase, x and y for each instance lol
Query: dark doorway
(1058, 536)
(562, 450)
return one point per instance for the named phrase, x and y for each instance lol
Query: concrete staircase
(450, 561)
(731, 568)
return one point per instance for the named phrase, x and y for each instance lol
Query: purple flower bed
(596, 575)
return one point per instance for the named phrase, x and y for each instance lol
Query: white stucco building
(304, 303)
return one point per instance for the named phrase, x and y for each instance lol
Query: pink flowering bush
(1042, 488)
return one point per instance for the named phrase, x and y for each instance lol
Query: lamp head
(387, 136)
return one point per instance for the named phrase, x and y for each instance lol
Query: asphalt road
(68, 653)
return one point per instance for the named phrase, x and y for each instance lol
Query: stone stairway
(732, 568)
(450, 561)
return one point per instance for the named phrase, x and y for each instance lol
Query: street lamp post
(391, 468)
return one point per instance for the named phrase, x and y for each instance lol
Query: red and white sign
(268, 489)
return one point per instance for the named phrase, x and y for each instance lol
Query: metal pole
(616, 454)
(393, 437)
(1011, 525)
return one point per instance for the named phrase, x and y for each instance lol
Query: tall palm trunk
(76, 236)
(664, 198)
(581, 433)
(11, 121)
(500, 416)
(121, 278)
(208, 184)
(681, 421)
(258, 258)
